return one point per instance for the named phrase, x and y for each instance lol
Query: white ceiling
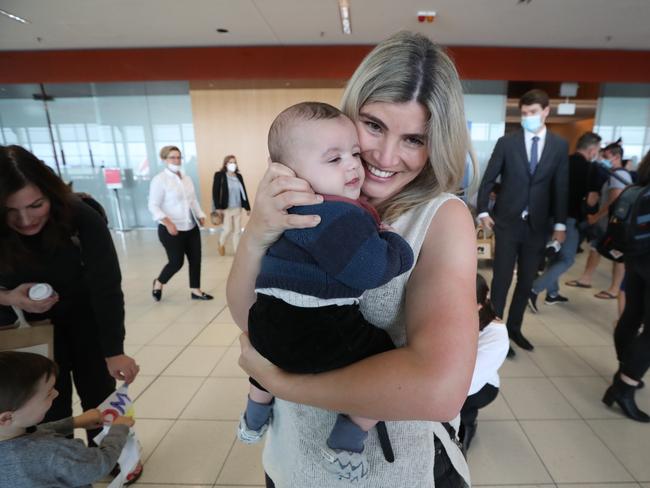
(84, 24)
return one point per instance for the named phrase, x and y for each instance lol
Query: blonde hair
(410, 67)
(164, 152)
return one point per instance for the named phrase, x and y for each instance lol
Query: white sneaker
(345, 465)
(250, 436)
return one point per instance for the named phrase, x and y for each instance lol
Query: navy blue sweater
(342, 257)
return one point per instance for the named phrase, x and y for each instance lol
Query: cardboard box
(37, 337)
(484, 244)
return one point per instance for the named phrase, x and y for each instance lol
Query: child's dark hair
(486, 313)
(20, 374)
(299, 112)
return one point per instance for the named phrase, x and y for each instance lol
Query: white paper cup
(40, 291)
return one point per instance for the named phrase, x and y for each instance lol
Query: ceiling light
(14, 17)
(221, 30)
(344, 10)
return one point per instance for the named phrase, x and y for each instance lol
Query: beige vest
(291, 455)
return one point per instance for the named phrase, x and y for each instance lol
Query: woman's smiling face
(393, 139)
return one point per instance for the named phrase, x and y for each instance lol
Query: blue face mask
(532, 123)
(607, 163)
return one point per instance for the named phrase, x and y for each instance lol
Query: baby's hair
(20, 373)
(301, 112)
(486, 314)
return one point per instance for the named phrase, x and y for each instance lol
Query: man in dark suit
(534, 170)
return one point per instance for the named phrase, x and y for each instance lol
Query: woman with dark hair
(229, 197)
(632, 347)
(48, 235)
(492, 350)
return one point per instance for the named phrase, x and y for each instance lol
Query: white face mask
(174, 168)
(232, 167)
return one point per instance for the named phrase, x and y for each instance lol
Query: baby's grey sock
(347, 435)
(257, 414)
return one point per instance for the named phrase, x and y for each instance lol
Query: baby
(306, 318)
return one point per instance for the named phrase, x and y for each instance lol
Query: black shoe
(519, 339)
(202, 296)
(556, 299)
(469, 433)
(623, 395)
(532, 302)
(511, 353)
(639, 385)
(157, 294)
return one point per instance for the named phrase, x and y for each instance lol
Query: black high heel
(623, 395)
(202, 296)
(157, 294)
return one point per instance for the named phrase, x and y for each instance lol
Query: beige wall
(237, 122)
(572, 131)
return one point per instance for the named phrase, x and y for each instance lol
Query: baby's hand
(91, 419)
(128, 421)
(384, 227)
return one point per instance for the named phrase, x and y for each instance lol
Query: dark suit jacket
(545, 193)
(220, 191)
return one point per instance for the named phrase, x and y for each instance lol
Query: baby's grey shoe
(250, 436)
(345, 465)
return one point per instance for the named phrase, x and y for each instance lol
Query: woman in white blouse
(229, 197)
(493, 347)
(173, 204)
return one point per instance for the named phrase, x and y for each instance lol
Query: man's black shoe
(519, 339)
(556, 299)
(532, 301)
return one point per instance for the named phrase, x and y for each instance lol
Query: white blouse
(174, 198)
(493, 346)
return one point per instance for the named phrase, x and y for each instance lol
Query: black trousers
(80, 359)
(186, 243)
(473, 403)
(516, 243)
(632, 348)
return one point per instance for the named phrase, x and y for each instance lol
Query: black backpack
(628, 228)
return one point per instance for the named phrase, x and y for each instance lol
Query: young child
(44, 457)
(493, 347)
(306, 318)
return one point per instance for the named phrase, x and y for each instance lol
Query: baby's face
(326, 153)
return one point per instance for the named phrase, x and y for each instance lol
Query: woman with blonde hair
(229, 198)
(407, 104)
(173, 204)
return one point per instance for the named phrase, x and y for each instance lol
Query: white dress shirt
(174, 198)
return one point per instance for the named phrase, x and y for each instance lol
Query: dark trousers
(473, 403)
(80, 359)
(186, 243)
(516, 243)
(313, 340)
(632, 348)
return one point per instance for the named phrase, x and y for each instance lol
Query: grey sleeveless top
(291, 455)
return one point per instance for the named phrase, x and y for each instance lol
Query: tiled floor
(547, 427)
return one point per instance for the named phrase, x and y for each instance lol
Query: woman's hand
(279, 190)
(123, 368)
(257, 366)
(202, 221)
(171, 228)
(19, 297)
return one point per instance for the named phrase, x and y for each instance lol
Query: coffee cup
(40, 291)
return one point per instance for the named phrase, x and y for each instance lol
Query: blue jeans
(563, 261)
